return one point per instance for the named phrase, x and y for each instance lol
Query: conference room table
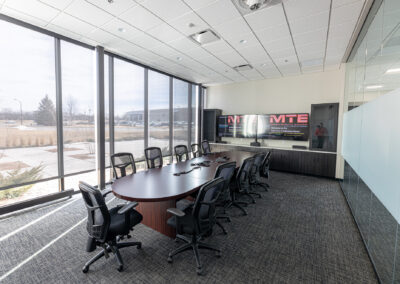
(158, 189)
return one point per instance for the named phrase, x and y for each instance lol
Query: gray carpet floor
(301, 231)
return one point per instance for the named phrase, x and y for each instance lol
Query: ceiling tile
(140, 18)
(218, 12)
(232, 28)
(296, 9)
(122, 29)
(265, 18)
(282, 53)
(346, 13)
(197, 4)
(310, 37)
(73, 24)
(338, 3)
(311, 47)
(22, 16)
(58, 4)
(146, 41)
(344, 29)
(220, 46)
(88, 13)
(33, 8)
(183, 44)
(115, 8)
(273, 33)
(165, 33)
(307, 24)
(231, 58)
(197, 53)
(103, 37)
(182, 24)
(237, 41)
(284, 43)
(62, 31)
(166, 10)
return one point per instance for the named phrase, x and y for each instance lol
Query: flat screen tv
(291, 126)
(237, 126)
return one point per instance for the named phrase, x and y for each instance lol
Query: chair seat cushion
(117, 224)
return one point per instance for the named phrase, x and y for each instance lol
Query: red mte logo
(232, 118)
(288, 118)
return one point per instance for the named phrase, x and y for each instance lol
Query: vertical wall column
(146, 108)
(100, 125)
(111, 103)
(171, 117)
(59, 114)
(200, 110)
(190, 92)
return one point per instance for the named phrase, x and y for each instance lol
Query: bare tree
(70, 108)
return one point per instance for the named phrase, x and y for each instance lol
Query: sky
(27, 67)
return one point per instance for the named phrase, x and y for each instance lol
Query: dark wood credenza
(299, 161)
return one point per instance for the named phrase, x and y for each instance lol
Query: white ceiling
(298, 36)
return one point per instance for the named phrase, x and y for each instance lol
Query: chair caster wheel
(199, 270)
(120, 268)
(218, 254)
(139, 246)
(85, 269)
(169, 259)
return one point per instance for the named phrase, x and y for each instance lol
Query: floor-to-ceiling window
(51, 74)
(181, 111)
(79, 109)
(28, 136)
(129, 108)
(159, 93)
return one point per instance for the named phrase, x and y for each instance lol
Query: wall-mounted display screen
(237, 126)
(293, 126)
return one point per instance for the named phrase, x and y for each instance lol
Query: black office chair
(107, 227)
(197, 221)
(154, 158)
(196, 150)
(123, 164)
(264, 171)
(205, 146)
(243, 179)
(255, 177)
(226, 171)
(181, 153)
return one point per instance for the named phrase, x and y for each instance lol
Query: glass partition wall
(371, 136)
(48, 112)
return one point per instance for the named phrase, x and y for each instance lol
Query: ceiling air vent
(205, 37)
(248, 6)
(243, 67)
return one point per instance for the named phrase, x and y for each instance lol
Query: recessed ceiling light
(286, 60)
(179, 58)
(110, 1)
(243, 41)
(122, 30)
(263, 65)
(393, 71)
(191, 25)
(373, 87)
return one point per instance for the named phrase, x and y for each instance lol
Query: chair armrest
(175, 211)
(127, 207)
(105, 193)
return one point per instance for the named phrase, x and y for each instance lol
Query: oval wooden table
(156, 190)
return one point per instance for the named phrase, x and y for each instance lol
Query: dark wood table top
(161, 184)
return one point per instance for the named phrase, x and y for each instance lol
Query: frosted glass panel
(376, 156)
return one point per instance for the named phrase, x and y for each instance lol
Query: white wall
(282, 95)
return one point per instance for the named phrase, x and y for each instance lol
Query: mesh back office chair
(264, 171)
(181, 153)
(123, 164)
(243, 178)
(206, 147)
(255, 178)
(196, 150)
(154, 158)
(226, 171)
(197, 221)
(106, 227)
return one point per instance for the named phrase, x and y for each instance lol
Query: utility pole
(20, 109)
